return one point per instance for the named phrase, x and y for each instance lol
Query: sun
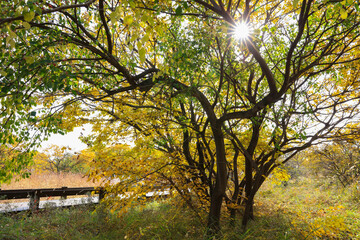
(241, 31)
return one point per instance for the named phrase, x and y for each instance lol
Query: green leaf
(67, 89)
(5, 89)
(178, 10)
(11, 140)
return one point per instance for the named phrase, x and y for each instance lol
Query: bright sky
(69, 140)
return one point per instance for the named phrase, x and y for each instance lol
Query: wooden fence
(36, 194)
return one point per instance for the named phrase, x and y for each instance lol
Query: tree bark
(236, 186)
(248, 213)
(249, 210)
(215, 212)
(220, 184)
(250, 190)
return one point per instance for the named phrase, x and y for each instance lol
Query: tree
(340, 160)
(172, 73)
(59, 159)
(13, 158)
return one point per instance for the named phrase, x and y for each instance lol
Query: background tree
(172, 72)
(59, 159)
(13, 158)
(339, 160)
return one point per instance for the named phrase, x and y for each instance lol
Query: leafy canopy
(207, 112)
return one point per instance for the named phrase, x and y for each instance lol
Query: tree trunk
(220, 184)
(256, 184)
(215, 213)
(249, 211)
(236, 186)
(250, 188)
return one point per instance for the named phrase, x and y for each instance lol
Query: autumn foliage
(211, 117)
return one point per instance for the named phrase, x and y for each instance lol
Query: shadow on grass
(269, 226)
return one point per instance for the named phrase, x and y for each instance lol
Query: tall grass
(315, 209)
(155, 221)
(47, 180)
(50, 180)
(304, 209)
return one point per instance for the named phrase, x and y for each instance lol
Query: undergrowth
(305, 209)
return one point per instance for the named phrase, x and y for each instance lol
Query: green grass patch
(157, 220)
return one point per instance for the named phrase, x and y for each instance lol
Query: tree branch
(57, 9)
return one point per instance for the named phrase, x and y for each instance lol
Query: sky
(68, 140)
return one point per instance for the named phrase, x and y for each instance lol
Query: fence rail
(35, 194)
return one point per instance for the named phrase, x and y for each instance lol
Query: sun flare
(241, 31)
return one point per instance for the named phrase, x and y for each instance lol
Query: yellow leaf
(132, 4)
(139, 45)
(2, 72)
(12, 43)
(18, 11)
(343, 13)
(128, 20)
(12, 34)
(29, 16)
(29, 60)
(295, 3)
(145, 38)
(26, 25)
(113, 17)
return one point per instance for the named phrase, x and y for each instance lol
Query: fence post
(34, 201)
(101, 194)
(64, 196)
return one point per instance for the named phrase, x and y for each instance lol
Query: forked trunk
(256, 183)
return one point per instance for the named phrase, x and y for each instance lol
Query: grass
(304, 209)
(156, 221)
(47, 180)
(313, 209)
(50, 180)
